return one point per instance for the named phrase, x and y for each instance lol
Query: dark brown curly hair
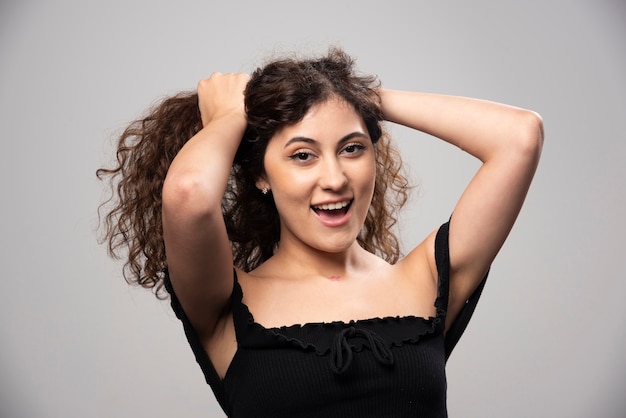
(278, 94)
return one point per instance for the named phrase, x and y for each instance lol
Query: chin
(337, 247)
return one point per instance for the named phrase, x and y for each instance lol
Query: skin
(326, 158)
(317, 265)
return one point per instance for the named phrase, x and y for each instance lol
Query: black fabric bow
(341, 352)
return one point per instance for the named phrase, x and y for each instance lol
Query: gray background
(548, 337)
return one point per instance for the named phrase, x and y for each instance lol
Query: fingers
(221, 94)
(219, 81)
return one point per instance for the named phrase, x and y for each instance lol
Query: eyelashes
(351, 150)
(354, 148)
(301, 156)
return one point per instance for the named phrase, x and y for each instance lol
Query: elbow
(535, 129)
(187, 195)
(529, 140)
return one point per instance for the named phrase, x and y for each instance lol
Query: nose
(332, 175)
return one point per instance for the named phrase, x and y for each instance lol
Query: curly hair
(278, 94)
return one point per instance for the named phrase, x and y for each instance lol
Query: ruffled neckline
(318, 337)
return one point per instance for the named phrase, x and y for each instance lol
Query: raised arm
(508, 141)
(199, 256)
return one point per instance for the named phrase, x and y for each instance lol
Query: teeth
(333, 206)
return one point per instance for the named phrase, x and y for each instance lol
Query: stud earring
(264, 190)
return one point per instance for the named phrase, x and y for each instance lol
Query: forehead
(326, 121)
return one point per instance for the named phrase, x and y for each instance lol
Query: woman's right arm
(199, 256)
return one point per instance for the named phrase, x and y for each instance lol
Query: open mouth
(332, 210)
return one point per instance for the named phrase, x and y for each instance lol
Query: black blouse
(382, 367)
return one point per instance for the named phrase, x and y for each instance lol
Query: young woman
(265, 206)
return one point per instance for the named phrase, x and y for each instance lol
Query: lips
(333, 214)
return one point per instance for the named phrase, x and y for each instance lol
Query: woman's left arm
(508, 141)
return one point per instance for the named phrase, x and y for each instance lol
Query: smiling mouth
(333, 209)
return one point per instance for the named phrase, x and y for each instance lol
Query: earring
(264, 190)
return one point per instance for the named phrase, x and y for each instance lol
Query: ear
(262, 184)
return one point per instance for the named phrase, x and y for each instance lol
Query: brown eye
(301, 156)
(353, 149)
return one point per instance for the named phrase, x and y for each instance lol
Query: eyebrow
(312, 141)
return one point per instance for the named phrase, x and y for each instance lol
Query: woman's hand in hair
(221, 95)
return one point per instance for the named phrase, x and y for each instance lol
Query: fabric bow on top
(342, 352)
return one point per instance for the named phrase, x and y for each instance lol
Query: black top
(382, 367)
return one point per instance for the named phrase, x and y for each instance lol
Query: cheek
(290, 182)
(291, 190)
(367, 174)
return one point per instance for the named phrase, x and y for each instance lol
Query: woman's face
(321, 171)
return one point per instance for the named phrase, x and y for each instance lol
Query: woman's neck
(299, 261)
